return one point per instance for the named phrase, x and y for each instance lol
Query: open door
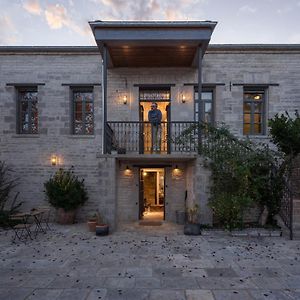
(152, 194)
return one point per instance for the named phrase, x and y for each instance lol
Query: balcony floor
(153, 157)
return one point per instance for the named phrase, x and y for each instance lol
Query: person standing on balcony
(154, 117)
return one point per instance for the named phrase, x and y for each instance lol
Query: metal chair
(21, 227)
(45, 217)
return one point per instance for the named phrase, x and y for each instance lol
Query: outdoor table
(37, 217)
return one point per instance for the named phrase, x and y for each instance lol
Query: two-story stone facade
(70, 106)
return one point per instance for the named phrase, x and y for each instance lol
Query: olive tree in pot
(66, 193)
(192, 227)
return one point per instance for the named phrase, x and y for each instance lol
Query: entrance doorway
(152, 194)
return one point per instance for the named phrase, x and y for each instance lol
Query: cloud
(149, 9)
(284, 10)
(247, 9)
(8, 31)
(57, 17)
(33, 7)
(294, 39)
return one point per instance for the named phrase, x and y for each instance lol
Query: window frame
(255, 90)
(157, 90)
(201, 103)
(83, 89)
(28, 89)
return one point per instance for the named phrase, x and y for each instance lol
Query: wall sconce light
(127, 170)
(125, 99)
(176, 168)
(183, 99)
(54, 160)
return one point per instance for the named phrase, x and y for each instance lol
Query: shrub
(65, 190)
(285, 132)
(242, 173)
(7, 184)
(229, 209)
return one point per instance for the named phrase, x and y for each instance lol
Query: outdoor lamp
(124, 99)
(54, 160)
(183, 99)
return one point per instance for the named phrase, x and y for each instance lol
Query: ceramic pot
(65, 217)
(92, 226)
(102, 229)
(192, 229)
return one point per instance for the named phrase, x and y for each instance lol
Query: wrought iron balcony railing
(137, 137)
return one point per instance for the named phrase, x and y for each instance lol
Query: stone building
(88, 107)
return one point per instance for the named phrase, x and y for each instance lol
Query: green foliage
(65, 190)
(242, 173)
(229, 209)
(7, 184)
(193, 214)
(285, 132)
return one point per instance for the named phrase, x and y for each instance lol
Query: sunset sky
(65, 22)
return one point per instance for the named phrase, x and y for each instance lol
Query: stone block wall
(198, 179)
(30, 155)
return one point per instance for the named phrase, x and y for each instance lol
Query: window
(207, 97)
(28, 110)
(155, 94)
(83, 111)
(253, 111)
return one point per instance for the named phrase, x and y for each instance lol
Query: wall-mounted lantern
(183, 98)
(125, 99)
(54, 160)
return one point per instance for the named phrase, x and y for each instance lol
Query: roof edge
(94, 49)
(125, 24)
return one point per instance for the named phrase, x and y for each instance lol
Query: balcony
(136, 137)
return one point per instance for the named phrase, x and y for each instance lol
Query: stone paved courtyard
(140, 262)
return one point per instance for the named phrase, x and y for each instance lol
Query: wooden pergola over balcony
(150, 44)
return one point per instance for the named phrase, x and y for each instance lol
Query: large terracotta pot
(65, 217)
(92, 225)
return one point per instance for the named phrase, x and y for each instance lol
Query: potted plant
(66, 193)
(101, 227)
(92, 222)
(192, 227)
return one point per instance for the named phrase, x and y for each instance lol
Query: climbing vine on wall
(242, 174)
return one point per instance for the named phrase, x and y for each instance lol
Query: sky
(65, 22)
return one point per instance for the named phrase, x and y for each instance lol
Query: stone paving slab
(148, 263)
